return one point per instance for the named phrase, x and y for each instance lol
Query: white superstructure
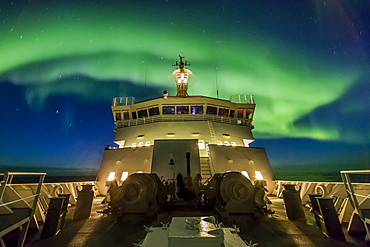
(154, 135)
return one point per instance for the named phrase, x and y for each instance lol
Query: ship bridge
(153, 136)
(212, 121)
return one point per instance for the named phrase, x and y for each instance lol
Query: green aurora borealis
(295, 58)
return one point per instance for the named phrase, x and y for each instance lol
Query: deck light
(201, 144)
(245, 173)
(124, 176)
(111, 176)
(259, 175)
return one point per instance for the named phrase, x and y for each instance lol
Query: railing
(7, 203)
(183, 118)
(355, 197)
(123, 101)
(242, 98)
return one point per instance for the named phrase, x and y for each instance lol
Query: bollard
(330, 217)
(64, 209)
(53, 216)
(316, 209)
(84, 202)
(293, 202)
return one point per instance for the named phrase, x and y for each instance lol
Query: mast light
(182, 77)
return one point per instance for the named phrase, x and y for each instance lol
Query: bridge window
(142, 113)
(223, 112)
(134, 116)
(212, 110)
(196, 109)
(240, 113)
(126, 115)
(182, 109)
(232, 113)
(118, 116)
(168, 109)
(153, 111)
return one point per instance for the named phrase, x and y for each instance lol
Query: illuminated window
(182, 109)
(219, 143)
(111, 176)
(139, 172)
(233, 144)
(196, 109)
(124, 176)
(147, 144)
(140, 144)
(168, 109)
(134, 145)
(170, 134)
(259, 175)
(226, 143)
(201, 144)
(245, 173)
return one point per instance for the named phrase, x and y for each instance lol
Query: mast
(182, 75)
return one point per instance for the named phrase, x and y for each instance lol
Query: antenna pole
(182, 76)
(216, 83)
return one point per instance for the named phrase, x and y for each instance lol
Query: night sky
(306, 62)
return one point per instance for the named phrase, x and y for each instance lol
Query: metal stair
(205, 169)
(212, 131)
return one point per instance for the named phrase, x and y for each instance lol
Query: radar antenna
(182, 76)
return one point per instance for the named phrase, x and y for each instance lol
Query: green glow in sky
(288, 83)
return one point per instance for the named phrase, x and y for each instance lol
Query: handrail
(24, 173)
(353, 196)
(25, 223)
(356, 172)
(183, 118)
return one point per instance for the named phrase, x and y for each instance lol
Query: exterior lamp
(245, 173)
(258, 175)
(124, 176)
(111, 176)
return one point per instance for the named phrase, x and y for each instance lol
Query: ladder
(205, 169)
(212, 131)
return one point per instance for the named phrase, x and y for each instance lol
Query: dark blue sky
(306, 63)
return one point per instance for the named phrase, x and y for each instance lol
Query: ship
(183, 166)
(154, 136)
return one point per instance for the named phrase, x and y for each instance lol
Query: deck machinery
(184, 148)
